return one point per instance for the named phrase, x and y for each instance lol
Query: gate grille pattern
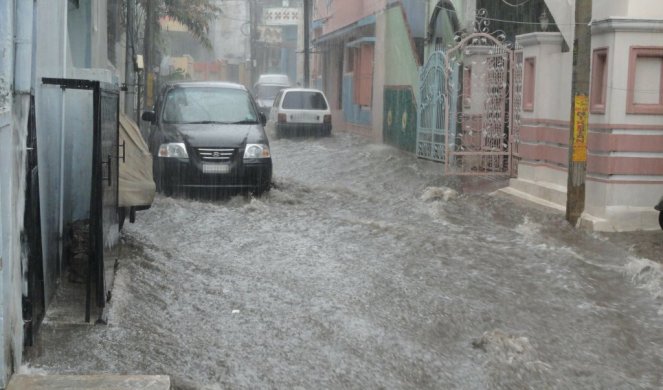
(469, 106)
(431, 135)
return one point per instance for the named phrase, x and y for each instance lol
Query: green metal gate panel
(400, 118)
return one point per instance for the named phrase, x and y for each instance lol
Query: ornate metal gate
(469, 105)
(432, 109)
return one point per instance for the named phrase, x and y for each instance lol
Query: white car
(300, 111)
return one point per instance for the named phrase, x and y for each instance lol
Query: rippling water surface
(363, 268)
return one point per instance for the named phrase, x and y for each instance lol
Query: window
(645, 81)
(599, 81)
(529, 79)
(304, 100)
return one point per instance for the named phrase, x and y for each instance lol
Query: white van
(300, 111)
(266, 88)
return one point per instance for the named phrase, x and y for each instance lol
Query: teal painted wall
(400, 59)
(399, 125)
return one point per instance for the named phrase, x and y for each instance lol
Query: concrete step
(89, 382)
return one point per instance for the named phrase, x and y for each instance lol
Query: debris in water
(438, 193)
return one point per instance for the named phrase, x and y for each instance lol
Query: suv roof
(302, 90)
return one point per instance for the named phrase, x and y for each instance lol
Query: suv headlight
(173, 150)
(253, 151)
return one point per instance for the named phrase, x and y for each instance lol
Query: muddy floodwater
(366, 268)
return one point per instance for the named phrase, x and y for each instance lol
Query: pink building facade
(345, 37)
(625, 143)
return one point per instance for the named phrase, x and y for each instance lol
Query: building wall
(354, 94)
(342, 13)
(640, 9)
(625, 150)
(15, 88)
(401, 82)
(7, 229)
(45, 44)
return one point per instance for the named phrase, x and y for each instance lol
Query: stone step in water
(89, 382)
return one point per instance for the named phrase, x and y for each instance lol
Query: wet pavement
(365, 268)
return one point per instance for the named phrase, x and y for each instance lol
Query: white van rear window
(304, 100)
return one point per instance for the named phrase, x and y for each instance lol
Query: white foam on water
(27, 369)
(511, 361)
(438, 193)
(527, 228)
(647, 275)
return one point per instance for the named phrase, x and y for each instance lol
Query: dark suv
(208, 136)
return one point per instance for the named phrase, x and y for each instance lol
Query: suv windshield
(208, 104)
(304, 100)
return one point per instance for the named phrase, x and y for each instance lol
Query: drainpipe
(63, 106)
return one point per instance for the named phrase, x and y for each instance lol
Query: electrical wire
(509, 21)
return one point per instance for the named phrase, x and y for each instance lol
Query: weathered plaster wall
(14, 108)
(6, 123)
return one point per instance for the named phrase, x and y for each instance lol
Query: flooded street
(364, 268)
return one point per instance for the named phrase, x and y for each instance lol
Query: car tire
(260, 191)
(167, 190)
(163, 187)
(660, 219)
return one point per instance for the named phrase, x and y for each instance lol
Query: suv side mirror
(148, 116)
(263, 118)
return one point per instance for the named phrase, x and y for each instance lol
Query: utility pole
(253, 19)
(307, 43)
(578, 132)
(129, 79)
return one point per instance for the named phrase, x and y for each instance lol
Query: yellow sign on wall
(580, 128)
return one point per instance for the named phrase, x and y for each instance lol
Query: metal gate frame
(445, 131)
(104, 223)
